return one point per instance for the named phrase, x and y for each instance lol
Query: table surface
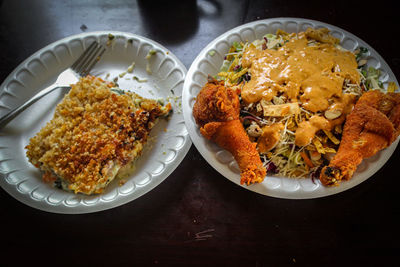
(358, 227)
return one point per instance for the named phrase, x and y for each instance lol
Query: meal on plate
(96, 134)
(298, 105)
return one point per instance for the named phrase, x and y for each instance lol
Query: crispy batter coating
(216, 103)
(372, 125)
(216, 111)
(94, 133)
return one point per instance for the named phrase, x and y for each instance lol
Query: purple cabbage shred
(271, 168)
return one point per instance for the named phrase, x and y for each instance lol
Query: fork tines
(88, 59)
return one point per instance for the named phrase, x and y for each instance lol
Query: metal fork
(80, 68)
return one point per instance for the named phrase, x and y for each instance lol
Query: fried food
(95, 135)
(296, 91)
(372, 125)
(216, 111)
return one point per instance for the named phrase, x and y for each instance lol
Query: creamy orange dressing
(270, 137)
(310, 74)
(307, 129)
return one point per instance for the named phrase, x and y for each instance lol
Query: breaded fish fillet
(96, 133)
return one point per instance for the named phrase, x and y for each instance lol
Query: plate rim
(81, 208)
(200, 146)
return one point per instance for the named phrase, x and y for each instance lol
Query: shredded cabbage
(372, 79)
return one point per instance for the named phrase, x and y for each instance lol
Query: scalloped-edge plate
(209, 61)
(166, 149)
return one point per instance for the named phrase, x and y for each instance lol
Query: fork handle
(4, 120)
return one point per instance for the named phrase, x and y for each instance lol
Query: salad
(296, 91)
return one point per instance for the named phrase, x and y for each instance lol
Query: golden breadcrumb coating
(94, 133)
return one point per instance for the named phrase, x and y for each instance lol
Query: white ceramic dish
(171, 143)
(209, 63)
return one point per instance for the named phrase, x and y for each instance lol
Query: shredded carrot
(306, 159)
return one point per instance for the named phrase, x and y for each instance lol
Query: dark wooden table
(359, 227)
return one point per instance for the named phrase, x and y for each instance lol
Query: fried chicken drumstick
(372, 125)
(216, 112)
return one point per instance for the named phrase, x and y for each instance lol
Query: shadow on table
(173, 21)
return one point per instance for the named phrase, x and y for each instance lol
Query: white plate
(209, 63)
(166, 151)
